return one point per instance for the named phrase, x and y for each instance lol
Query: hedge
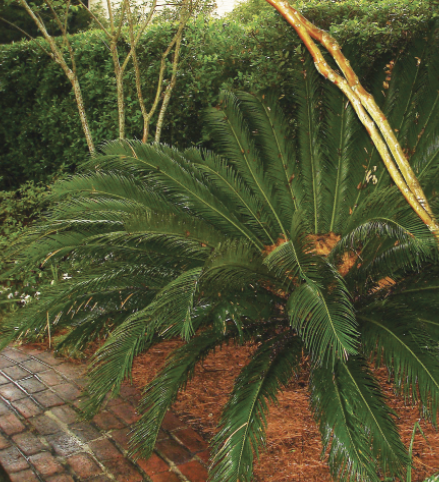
(40, 132)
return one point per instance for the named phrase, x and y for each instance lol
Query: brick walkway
(41, 439)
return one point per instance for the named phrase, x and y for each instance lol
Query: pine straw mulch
(293, 439)
(294, 446)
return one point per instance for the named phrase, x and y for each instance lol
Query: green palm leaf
(244, 419)
(356, 423)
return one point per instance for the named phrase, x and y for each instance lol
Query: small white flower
(10, 296)
(52, 282)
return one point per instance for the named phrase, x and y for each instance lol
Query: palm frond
(243, 422)
(163, 390)
(390, 333)
(355, 422)
(233, 140)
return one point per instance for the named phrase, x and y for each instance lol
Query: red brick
(68, 391)
(60, 478)
(12, 460)
(51, 378)
(190, 439)
(29, 350)
(4, 443)
(107, 421)
(11, 392)
(15, 355)
(32, 385)
(48, 357)
(112, 402)
(46, 464)
(24, 476)
(10, 424)
(104, 450)
(28, 443)
(4, 409)
(34, 366)
(64, 444)
(166, 477)
(48, 399)
(70, 371)
(194, 471)
(125, 412)
(65, 414)
(162, 435)
(153, 465)
(124, 470)
(130, 394)
(6, 362)
(45, 425)
(27, 407)
(121, 437)
(84, 465)
(171, 422)
(3, 380)
(16, 373)
(205, 457)
(85, 432)
(173, 451)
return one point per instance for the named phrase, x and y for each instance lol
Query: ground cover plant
(291, 237)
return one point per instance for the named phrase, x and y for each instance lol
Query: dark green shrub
(40, 129)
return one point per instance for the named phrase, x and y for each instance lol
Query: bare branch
(93, 16)
(139, 34)
(168, 91)
(124, 6)
(67, 15)
(110, 14)
(27, 35)
(137, 74)
(376, 124)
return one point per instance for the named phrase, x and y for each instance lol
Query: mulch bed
(293, 452)
(293, 439)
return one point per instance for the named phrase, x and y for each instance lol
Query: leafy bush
(41, 130)
(293, 241)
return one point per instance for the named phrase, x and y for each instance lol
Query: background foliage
(252, 48)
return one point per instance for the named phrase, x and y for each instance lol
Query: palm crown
(294, 241)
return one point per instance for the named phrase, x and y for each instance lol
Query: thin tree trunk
(169, 88)
(376, 123)
(119, 90)
(70, 73)
(82, 113)
(133, 52)
(160, 81)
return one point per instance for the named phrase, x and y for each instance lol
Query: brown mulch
(293, 439)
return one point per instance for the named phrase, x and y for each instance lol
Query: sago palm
(290, 237)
